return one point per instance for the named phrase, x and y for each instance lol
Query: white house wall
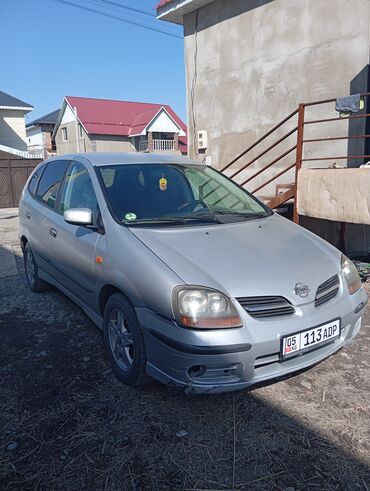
(162, 123)
(68, 115)
(34, 136)
(12, 129)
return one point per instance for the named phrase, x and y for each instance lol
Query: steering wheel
(191, 205)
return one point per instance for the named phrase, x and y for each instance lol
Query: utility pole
(77, 132)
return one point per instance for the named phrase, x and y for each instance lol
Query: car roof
(111, 158)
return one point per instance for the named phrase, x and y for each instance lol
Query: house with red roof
(103, 125)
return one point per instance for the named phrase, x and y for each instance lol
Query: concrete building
(39, 134)
(12, 123)
(102, 125)
(249, 63)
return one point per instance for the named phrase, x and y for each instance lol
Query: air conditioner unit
(202, 140)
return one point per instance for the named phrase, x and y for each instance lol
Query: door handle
(28, 215)
(53, 232)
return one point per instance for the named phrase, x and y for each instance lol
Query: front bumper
(233, 359)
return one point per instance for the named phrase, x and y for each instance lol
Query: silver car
(193, 281)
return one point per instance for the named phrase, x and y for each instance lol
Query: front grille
(266, 306)
(327, 290)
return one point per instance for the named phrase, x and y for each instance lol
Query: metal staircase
(290, 132)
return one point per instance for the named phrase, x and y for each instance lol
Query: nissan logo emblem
(301, 290)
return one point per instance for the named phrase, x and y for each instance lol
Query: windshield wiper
(175, 220)
(260, 214)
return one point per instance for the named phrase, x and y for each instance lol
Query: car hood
(251, 258)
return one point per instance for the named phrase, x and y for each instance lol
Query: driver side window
(78, 190)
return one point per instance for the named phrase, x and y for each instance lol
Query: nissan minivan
(193, 281)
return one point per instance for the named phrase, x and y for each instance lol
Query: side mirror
(79, 216)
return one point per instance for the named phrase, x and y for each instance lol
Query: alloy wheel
(120, 339)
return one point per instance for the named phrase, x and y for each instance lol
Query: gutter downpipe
(77, 135)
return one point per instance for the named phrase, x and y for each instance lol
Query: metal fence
(13, 176)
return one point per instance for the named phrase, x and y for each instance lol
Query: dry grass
(78, 428)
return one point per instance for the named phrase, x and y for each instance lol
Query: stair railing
(298, 129)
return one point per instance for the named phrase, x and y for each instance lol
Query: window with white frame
(64, 134)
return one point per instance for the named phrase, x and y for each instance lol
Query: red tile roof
(118, 118)
(161, 3)
(183, 144)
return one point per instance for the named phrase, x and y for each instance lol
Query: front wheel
(124, 341)
(35, 283)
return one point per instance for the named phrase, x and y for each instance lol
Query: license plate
(305, 340)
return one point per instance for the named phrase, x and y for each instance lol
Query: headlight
(204, 308)
(350, 273)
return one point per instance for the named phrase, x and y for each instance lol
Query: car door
(39, 210)
(73, 246)
(27, 204)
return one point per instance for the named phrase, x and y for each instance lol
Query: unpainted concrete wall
(335, 194)
(250, 63)
(112, 144)
(335, 204)
(70, 146)
(90, 143)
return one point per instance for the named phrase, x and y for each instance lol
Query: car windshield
(175, 194)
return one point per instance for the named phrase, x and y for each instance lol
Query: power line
(113, 8)
(137, 24)
(120, 5)
(136, 13)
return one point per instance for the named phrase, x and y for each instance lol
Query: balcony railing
(163, 145)
(38, 151)
(22, 153)
(158, 146)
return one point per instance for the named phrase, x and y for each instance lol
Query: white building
(12, 124)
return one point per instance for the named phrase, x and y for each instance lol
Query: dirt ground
(66, 423)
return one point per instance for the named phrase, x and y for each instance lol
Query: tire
(124, 341)
(35, 283)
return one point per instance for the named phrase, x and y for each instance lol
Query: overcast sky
(50, 49)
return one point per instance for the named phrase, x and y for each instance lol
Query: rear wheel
(124, 341)
(35, 283)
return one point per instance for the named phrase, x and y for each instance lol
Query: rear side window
(48, 187)
(35, 179)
